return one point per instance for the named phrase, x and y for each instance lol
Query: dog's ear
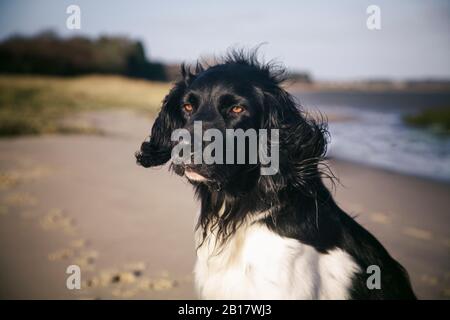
(279, 110)
(158, 150)
(302, 141)
(303, 136)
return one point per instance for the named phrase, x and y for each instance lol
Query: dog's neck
(227, 211)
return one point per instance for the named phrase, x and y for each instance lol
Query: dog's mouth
(193, 175)
(190, 172)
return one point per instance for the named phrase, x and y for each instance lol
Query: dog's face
(242, 94)
(221, 98)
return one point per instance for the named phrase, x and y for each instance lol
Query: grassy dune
(36, 105)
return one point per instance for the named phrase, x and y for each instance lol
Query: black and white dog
(278, 236)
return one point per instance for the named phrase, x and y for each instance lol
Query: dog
(278, 236)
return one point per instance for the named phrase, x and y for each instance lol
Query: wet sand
(79, 199)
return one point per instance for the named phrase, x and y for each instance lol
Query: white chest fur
(256, 263)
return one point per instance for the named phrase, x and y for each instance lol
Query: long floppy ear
(302, 142)
(158, 150)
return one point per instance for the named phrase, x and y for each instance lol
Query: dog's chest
(256, 263)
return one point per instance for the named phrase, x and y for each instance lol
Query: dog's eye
(237, 109)
(188, 107)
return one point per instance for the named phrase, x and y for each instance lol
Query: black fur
(301, 206)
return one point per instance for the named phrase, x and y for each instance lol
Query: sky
(329, 40)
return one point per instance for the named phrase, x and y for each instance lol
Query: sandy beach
(81, 199)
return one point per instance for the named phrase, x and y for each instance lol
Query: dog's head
(237, 93)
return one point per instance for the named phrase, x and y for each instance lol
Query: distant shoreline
(367, 86)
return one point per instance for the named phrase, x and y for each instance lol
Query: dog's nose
(205, 115)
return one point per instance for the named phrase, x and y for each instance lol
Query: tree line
(49, 54)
